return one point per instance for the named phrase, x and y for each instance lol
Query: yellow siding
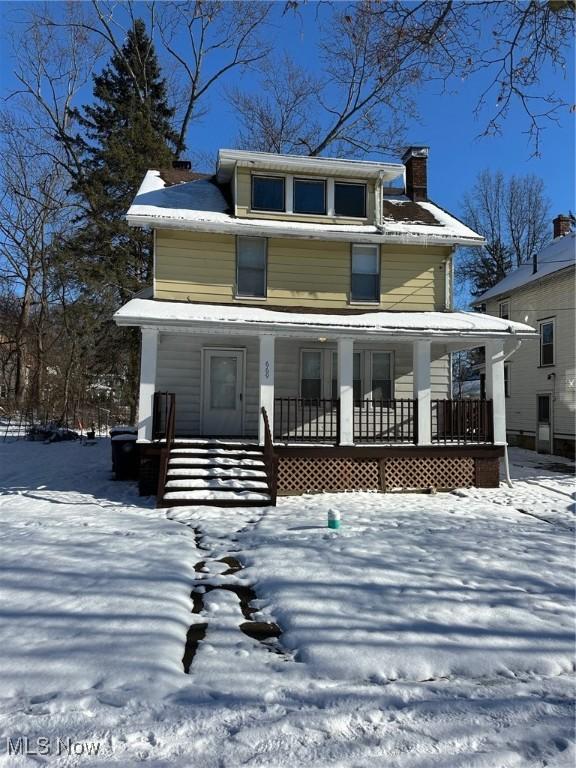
(243, 202)
(201, 267)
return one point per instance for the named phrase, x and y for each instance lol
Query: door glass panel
(223, 379)
(544, 409)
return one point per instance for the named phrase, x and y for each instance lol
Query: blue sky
(446, 124)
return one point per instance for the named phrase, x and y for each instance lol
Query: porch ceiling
(249, 320)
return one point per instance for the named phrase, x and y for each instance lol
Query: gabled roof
(202, 205)
(556, 256)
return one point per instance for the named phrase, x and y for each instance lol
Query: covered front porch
(333, 402)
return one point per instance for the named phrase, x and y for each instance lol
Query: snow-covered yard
(431, 630)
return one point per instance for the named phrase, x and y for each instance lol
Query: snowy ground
(429, 631)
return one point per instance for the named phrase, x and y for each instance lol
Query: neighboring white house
(541, 377)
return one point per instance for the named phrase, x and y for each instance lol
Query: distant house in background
(540, 379)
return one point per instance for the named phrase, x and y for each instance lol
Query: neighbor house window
(547, 342)
(268, 193)
(251, 267)
(311, 374)
(350, 199)
(309, 196)
(357, 381)
(381, 376)
(365, 279)
(507, 380)
(504, 310)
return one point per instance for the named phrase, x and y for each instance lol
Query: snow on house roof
(557, 255)
(202, 205)
(146, 312)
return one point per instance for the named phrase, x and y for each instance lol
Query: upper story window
(350, 199)
(251, 267)
(504, 310)
(310, 196)
(268, 193)
(547, 342)
(365, 277)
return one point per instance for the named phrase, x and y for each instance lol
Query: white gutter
(234, 228)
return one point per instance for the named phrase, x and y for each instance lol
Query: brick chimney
(562, 226)
(416, 159)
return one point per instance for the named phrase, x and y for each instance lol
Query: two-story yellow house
(299, 329)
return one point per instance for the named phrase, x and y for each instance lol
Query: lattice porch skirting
(315, 474)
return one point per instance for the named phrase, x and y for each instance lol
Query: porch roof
(250, 320)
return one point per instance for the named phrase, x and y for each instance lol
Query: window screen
(350, 199)
(251, 267)
(268, 193)
(365, 280)
(309, 196)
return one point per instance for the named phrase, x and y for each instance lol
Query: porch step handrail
(167, 447)
(270, 459)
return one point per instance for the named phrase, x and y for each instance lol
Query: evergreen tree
(126, 131)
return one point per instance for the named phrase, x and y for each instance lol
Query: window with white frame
(311, 374)
(547, 342)
(268, 193)
(357, 374)
(365, 273)
(381, 375)
(350, 199)
(504, 310)
(309, 196)
(251, 267)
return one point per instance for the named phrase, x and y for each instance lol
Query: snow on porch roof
(149, 312)
(201, 205)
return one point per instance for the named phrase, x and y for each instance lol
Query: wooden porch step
(216, 484)
(215, 461)
(214, 452)
(214, 472)
(204, 495)
(231, 473)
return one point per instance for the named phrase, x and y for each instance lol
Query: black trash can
(125, 453)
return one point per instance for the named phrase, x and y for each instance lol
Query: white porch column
(421, 390)
(266, 383)
(494, 351)
(346, 390)
(148, 363)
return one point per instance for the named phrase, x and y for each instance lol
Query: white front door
(223, 392)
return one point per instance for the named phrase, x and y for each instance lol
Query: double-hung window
(504, 310)
(506, 379)
(365, 274)
(381, 376)
(268, 193)
(310, 196)
(350, 199)
(251, 267)
(547, 342)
